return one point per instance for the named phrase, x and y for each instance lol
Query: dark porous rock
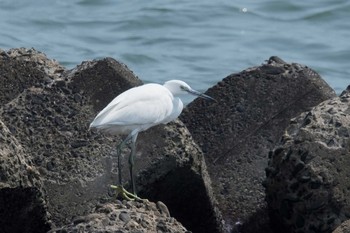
(76, 166)
(343, 228)
(101, 81)
(22, 204)
(23, 68)
(23, 209)
(307, 184)
(16, 168)
(236, 133)
(141, 217)
(181, 181)
(51, 124)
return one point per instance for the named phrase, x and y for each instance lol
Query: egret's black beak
(199, 94)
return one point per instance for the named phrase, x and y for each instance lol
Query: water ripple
(200, 41)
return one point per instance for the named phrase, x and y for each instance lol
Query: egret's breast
(176, 111)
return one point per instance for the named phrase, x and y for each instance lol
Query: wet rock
(307, 184)
(236, 133)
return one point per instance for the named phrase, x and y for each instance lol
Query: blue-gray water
(200, 42)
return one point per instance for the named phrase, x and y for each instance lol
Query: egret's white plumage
(123, 115)
(140, 108)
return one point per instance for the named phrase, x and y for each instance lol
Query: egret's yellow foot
(121, 191)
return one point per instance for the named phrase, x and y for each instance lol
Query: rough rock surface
(20, 189)
(47, 115)
(23, 209)
(15, 167)
(23, 68)
(343, 228)
(308, 176)
(123, 217)
(252, 111)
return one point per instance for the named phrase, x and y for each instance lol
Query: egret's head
(178, 88)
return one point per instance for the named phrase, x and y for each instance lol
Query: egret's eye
(183, 88)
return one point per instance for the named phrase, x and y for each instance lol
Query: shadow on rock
(23, 210)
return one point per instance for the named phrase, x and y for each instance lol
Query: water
(200, 42)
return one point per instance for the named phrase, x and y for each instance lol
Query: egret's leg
(119, 152)
(119, 188)
(131, 162)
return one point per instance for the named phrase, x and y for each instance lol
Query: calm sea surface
(200, 42)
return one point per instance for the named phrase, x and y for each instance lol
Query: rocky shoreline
(272, 155)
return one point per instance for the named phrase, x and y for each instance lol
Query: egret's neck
(175, 90)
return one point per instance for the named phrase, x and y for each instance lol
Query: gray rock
(163, 209)
(137, 217)
(50, 122)
(343, 228)
(252, 111)
(22, 204)
(182, 181)
(15, 78)
(124, 216)
(307, 184)
(45, 121)
(16, 168)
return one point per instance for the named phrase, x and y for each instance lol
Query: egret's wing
(129, 94)
(145, 112)
(147, 104)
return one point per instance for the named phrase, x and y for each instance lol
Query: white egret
(138, 109)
